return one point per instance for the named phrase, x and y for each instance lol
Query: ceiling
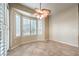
(54, 7)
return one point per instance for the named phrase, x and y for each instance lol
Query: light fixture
(41, 13)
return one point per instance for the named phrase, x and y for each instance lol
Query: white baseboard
(66, 43)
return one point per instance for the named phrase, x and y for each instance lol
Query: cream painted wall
(78, 24)
(63, 27)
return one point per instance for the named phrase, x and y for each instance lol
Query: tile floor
(50, 48)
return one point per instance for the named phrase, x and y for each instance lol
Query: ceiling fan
(41, 13)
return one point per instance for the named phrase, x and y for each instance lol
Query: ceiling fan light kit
(41, 13)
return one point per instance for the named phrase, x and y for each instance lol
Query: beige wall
(47, 28)
(64, 26)
(78, 24)
(21, 7)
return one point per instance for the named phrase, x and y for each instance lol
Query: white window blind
(2, 29)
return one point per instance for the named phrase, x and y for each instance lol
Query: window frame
(34, 28)
(30, 18)
(22, 25)
(15, 22)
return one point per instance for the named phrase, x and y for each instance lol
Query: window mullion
(36, 27)
(30, 26)
(21, 25)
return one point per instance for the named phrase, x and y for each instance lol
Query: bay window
(28, 26)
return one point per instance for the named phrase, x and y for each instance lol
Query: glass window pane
(18, 33)
(33, 27)
(26, 26)
(40, 27)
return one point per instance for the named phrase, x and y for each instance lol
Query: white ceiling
(54, 7)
